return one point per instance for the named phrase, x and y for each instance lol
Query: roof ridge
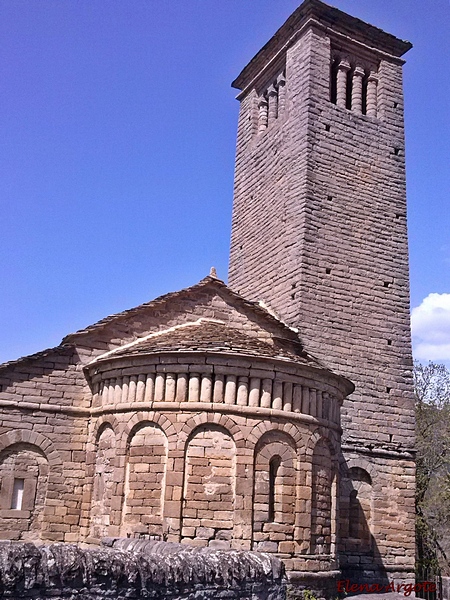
(62, 348)
(163, 298)
(258, 307)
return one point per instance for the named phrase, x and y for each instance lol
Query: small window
(274, 466)
(354, 514)
(17, 495)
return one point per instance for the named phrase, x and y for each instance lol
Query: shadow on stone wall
(359, 556)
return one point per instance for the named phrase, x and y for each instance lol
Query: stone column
(313, 403)
(95, 396)
(253, 397)
(287, 395)
(277, 400)
(105, 392)
(117, 389)
(266, 395)
(326, 406)
(171, 383)
(194, 387)
(341, 83)
(230, 390)
(125, 384)
(132, 387)
(357, 86)
(297, 399)
(219, 388)
(371, 102)
(272, 95)
(263, 114)
(305, 400)
(111, 391)
(182, 387)
(281, 83)
(206, 388)
(319, 401)
(242, 391)
(160, 385)
(140, 388)
(149, 388)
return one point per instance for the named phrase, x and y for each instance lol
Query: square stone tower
(319, 234)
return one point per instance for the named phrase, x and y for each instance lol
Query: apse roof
(208, 283)
(211, 335)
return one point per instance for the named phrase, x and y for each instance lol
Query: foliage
(432, 395)
(296, 594)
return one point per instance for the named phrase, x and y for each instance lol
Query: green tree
(432, 391)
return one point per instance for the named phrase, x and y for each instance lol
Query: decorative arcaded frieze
(230, 389)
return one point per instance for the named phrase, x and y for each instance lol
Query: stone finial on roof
(213, 272)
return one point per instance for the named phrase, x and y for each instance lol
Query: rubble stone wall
(66, 571)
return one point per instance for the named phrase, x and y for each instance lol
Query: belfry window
(271, 102)
(353, 86)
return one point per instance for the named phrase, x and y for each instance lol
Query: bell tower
(319, 234)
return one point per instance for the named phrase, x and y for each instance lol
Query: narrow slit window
(17, 495)
(354, 515)
(274, 465)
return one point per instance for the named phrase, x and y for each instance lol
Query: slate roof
(208, 282)
(204, 335)
(209, 335)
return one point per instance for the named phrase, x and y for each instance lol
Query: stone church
(274, 413)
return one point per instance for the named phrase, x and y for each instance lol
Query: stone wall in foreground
(133, 569)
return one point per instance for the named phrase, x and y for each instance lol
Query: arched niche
(146, 461)
(356, 509)
(274, 491)
(24, 473)
(103, 486)
(323, 495)
(209, 487)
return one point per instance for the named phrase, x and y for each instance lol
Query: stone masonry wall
(210, 449)
(210, 464)
(319, 234)
(209, 489)
(46, 404)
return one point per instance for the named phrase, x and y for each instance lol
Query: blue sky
(117, 143)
